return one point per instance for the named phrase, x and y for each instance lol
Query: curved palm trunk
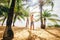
(41, 5)
(8, 33)
(27, 22)
(3, 21)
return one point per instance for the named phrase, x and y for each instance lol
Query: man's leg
(33, 25)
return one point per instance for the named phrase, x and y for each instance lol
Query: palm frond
(52, 4)
(54, 20)
(38, 19)
(1, 20)
(14, 19)
(46, 13)
(22, 17)
(37, 16)
(18, 18)
(3, 1)
(54, 15)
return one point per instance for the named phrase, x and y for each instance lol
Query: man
(32, 23)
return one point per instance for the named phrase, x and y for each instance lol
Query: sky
(56, 10)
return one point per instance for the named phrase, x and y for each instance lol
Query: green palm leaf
(1, 19)
(53, 20)
(54, 15)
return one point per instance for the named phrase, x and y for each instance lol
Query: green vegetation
(19, 12)
(12, 10)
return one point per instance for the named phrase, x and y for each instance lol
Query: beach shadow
(53, 34)
(34, 37)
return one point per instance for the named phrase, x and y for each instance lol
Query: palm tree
(18, 13)
(46, 15)
(8, 33)
(42, 3)
(27, 22)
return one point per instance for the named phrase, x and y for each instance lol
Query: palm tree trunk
(3, 21)
(13, 24)
(8, 33)
(14, 19)
(44, 23)
(41, 5)
(27, 22)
